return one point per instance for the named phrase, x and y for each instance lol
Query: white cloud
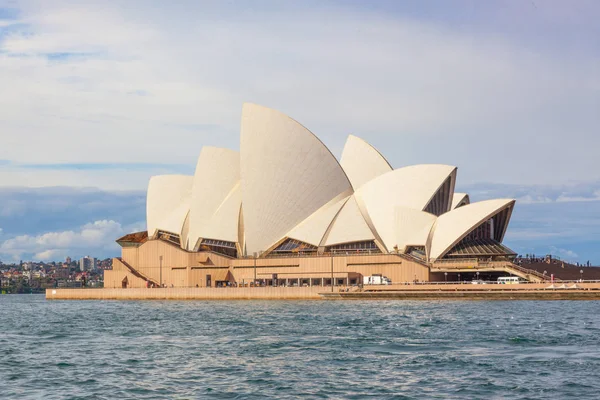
(49, 255)
(154, 84)
(568, 198)
(537, 194)
(529, 199)
(95, 236)
(564, 252)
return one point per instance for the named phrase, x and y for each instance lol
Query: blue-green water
(292, 349)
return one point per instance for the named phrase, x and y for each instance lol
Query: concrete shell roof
(362, 162)
(287, 174)
(458, 199)
(168, 202)
(410, 187)
(348, 226)
(450, 228)
(412, 227)
(290, 185)
(216, 196)
(312, 229)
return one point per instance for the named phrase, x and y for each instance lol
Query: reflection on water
(290, 349)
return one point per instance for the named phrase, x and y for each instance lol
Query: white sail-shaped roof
(224, 223)
(412, 227)
(362, 162)
(348, 226)
(411, 187)
(185, 231)
(459, 200)
(216, 196)
(287, 174)
(452, 227)
(312, 229)
(168, 203)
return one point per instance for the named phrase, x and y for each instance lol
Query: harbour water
(298, 349)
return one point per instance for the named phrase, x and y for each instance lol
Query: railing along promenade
(136, 272)
(475, 264)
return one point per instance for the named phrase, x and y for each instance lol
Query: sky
(97, 96)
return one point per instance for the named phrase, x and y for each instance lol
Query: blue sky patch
(9, 13)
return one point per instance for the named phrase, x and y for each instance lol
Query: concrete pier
(468, 295)
(229, 293)
(587, 291)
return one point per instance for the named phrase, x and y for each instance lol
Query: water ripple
(288, 350)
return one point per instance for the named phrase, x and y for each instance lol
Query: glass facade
(293, 246)
(219, 246)
(367, 246)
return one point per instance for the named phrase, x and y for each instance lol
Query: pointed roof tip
(274, 144)
(250, 104)
(506, 200)
(247, 105)
(421, 168)
(459, 198)
(352, 137)
(362, 162)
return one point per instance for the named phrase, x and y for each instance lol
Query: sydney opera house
(284, 211)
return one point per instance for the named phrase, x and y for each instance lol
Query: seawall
(583, 291)
(468, 295)
(248, 293)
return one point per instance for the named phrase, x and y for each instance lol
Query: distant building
(68, 260)
(87, 263)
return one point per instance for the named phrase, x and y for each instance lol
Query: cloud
(565, 252)
(34, 211)
(529, 199)
(107, 94)
(48, 255)
(97, 236)
(140, 84)
(108, 176)
(537, 194)
(567, 198)
(55, 221)
(548, 218)
(104, 166)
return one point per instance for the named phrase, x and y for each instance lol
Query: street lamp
(459, 277)
(446, 276)
(332, 272)
(160, 259)
(255, 268)
(581, 275)
(477, 273)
